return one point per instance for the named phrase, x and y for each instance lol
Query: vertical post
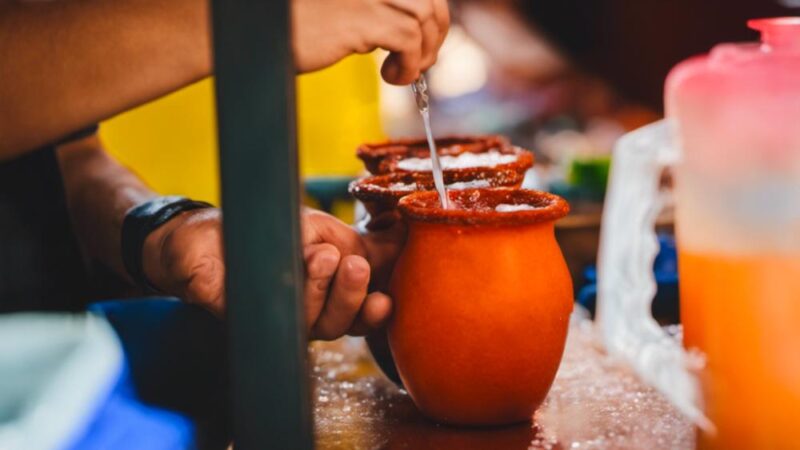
(256, 119)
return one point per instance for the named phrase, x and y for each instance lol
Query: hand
(184, 258)
(326, 31)
(341, 270)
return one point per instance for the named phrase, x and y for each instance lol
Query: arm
(184, 256)
(99, 192)
(67, 64)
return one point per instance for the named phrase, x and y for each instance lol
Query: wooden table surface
(595, 402)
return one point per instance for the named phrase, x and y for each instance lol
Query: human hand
(325, 31)
(345, 274)
(184, 258)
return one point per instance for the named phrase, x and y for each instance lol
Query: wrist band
(143, 219)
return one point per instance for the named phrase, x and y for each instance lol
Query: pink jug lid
(738, 107)
(778, 34)
(775, 59)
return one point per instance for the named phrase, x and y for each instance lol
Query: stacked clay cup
(481, 292)
(400, 167)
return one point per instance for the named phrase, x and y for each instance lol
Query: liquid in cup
(743, 313)
(403, 166)
(737, 190)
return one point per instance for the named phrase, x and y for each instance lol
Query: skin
(184, 257)
(134, 51)
(53, 47)
(411, 30)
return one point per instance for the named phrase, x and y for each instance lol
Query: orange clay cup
(383, 158)
(482, 305)
(380, 193)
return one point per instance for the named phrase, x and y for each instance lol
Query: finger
(430, 45)
(321, 262)
(403, 38)
(344, 301)
(374, 313)
(441, 13)
(319, 227)
(422, 10)
(432, 35)
(401, 69)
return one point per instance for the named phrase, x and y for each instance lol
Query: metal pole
(260, 195)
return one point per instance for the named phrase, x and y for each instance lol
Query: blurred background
(563, 79)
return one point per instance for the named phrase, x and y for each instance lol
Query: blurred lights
(462, 67)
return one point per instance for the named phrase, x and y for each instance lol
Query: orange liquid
(744, 314)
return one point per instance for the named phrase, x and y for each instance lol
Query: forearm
(68, 64)
(99, 192)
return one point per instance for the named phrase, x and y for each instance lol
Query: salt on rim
(381, 158)
(459, 185)
(477, 207)
(403, 187)
(490, 158)
(507, 207)
(474, 184)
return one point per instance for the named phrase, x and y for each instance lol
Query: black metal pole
(260, 196)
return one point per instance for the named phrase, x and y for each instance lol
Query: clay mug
(384, 157)
(482, 299)
(380, 193)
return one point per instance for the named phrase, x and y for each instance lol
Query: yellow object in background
(337, 109)
(172, 142)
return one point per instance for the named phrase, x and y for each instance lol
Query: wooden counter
(595, 402)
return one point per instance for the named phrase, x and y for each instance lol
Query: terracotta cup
(380, 193)
(388, 157)
(482, 304)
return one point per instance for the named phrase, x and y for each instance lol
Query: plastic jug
(732, 141)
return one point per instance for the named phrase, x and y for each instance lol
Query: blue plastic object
(665, 268)
(177, 362)
(66, 384)
(122, 422)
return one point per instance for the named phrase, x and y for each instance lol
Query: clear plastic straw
(420, 89)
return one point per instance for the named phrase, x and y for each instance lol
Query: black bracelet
(143, 219)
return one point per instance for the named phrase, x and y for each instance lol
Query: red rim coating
(383, 158)
(377, 187)
(477, 207)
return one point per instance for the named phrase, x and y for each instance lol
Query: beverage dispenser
(731, 140)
